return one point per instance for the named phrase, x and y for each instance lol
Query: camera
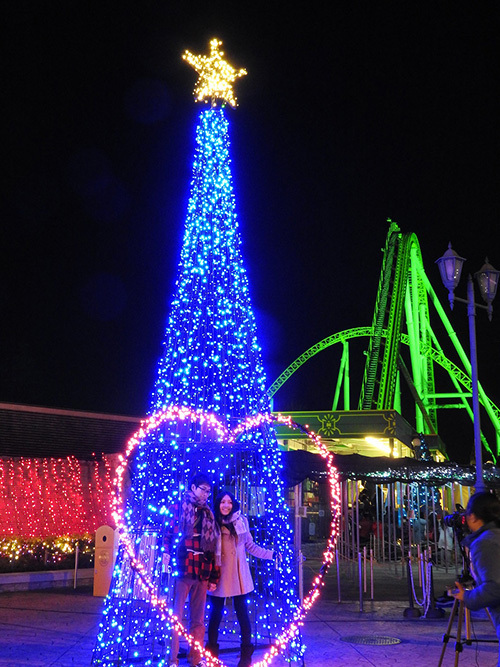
(457, 522)
(457, 519)
(467, 582)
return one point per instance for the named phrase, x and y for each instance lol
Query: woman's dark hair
(226, 521)
(485, 506)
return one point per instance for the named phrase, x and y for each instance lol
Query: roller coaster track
(437, 356)
(340, 337)
(403, 297)
(401, 292)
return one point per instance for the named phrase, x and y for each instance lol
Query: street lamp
(450, 266)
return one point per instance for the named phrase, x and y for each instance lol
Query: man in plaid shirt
(198, 572)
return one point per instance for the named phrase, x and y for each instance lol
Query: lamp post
(450, 267)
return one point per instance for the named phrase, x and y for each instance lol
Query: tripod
(459, 644)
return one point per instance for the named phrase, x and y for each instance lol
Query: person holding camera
(482, 515)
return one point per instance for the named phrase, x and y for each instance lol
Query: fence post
(410, 611)
(360, 580)
(75, 576)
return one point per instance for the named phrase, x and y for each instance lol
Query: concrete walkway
(59, 626)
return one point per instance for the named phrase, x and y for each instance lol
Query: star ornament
(215, 75)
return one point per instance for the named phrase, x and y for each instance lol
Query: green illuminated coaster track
(401, 317)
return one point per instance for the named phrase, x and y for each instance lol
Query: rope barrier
(426, 584)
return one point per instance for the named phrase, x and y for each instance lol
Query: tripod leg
(447, 634)
(489, 616)
(468, 639)
(458, 644)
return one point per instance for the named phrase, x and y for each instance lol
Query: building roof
(32, 431)
(366, 432)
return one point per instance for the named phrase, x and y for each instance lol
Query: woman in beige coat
(236, 581)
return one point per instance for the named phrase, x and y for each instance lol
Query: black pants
(241, 608)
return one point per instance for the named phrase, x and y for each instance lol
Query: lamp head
(450, 267)
(487, 280)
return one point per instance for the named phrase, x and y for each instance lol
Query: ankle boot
(246, 655)
(214, 649)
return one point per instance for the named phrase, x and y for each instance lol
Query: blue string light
(212, 363)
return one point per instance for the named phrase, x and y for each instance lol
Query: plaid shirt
(195, 563)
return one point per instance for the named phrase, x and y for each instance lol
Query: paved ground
(50, 627)
(58, 627)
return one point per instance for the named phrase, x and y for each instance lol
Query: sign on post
(106, 546)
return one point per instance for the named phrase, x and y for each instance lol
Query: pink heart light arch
(176, 413)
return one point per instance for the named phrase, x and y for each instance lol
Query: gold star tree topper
(215, 75)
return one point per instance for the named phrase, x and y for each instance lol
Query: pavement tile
(58, 628)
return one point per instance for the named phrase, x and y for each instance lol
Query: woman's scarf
(208, 529)
(239, 526)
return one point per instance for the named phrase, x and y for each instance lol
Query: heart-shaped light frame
(176, 413)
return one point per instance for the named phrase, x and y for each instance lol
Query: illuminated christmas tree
(211, 365)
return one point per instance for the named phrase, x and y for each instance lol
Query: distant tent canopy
(299, 465)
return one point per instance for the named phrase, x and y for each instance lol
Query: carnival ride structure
(401, 325)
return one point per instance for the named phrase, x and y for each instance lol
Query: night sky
(348, 116)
